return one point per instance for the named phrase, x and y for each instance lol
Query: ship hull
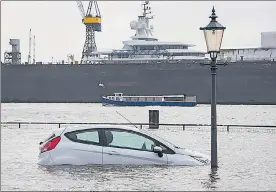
(109, 102)
(237, 83)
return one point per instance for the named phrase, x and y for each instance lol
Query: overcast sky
(59, 31)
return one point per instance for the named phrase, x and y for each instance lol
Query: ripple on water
(246, 159)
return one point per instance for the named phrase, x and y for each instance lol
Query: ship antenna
(145, 9)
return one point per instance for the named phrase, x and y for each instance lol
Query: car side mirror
(158, 150)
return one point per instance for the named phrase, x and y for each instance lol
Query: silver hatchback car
(113, 144)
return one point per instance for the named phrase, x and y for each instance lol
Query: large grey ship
(145, 66)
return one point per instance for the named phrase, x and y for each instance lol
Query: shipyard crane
(92, 21)
(30, 47)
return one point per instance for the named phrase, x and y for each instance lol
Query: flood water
(246, 158)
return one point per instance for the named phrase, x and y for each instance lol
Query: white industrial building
(267, 51)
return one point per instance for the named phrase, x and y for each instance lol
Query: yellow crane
(92, 21)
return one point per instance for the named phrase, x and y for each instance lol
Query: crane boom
(80, 6)
(92, 23)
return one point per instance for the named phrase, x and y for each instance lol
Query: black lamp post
(213, 34)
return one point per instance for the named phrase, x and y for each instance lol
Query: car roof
(101, 126)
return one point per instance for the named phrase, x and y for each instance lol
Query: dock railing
(162, 126)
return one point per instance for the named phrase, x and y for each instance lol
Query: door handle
(113, 153)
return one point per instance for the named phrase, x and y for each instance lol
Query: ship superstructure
(143, 46)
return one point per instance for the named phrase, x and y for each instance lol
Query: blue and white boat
(118, 99)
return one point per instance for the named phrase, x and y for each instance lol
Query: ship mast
(141, 26)
(146, 10)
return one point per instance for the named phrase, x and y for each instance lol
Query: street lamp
(213, 34)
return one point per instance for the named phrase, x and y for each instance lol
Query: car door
(129, 148)
(80, 148)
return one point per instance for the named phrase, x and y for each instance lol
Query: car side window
(86, 136)
(128, 140)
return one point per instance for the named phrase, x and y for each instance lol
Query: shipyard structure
(267, 50)
(144, 66)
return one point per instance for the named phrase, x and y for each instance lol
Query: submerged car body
(113, 144)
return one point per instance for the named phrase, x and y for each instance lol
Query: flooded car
(113, 145)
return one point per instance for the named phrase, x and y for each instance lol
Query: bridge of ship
(167, 98)
(154, 51)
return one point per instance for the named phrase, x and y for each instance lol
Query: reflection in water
(108, 170)
(105, 176)
(212, 180)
